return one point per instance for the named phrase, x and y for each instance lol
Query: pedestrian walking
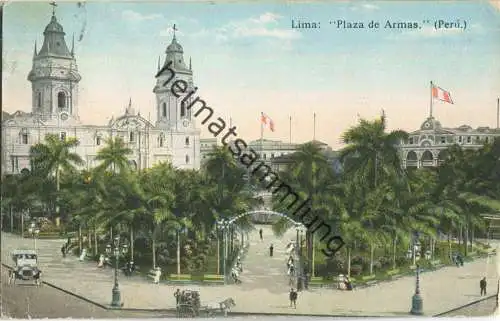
(482, 286)
(293, 298)
(177, 295)
(271, 250)
(260, 233)
(63, 250)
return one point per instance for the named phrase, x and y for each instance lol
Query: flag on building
(267, 121)
(441, 94)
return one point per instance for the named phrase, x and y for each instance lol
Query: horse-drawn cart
(189, 306)
(25, 267)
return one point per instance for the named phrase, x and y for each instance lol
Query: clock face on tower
(185, 122)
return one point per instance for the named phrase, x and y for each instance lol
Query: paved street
(259, 269)
(442, 290)
(26, 301)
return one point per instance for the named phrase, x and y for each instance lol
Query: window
(61, 100)
(183, 110)
(486, 139)
(39, 100)
(160, 141)
(460, 139)
(131, 136)
(469, 139)
(164, 110)
(187, 159)
(98, 140)
(443, 140)
(264, 156)
(24, 139)
(410, 141)
(272, 155)
(187, 141)
(63, 135)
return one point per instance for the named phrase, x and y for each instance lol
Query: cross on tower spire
(54, 5)
(174, 29)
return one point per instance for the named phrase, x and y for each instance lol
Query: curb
(466, 305)
(263, 314)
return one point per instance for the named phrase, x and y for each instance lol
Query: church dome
(174, 46)
(53, 26)
(431, 124)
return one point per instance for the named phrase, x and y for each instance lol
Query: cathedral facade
(54, 79)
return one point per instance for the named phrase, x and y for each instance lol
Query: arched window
(39, 100)
(187, 159)
(131, 136)
(183, 110)
(160, 141)
(164, 110)
(61, 100)
(187, 141)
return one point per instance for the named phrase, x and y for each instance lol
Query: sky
(248, 59)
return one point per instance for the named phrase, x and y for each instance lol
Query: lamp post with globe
(34, 231)
(116, 248)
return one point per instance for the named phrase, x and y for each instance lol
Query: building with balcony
(427, 146)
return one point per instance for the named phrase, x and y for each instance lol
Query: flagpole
(498, 112)
(314, 127)
(261, 137)
(430, 113)
(291, 129)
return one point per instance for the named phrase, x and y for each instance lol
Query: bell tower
(54, 75)
(171, 112)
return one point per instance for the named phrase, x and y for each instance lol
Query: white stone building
(426, 147)
(54, 79)
(206, 147)
(269, 149)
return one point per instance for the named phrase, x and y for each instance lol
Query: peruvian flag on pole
(267, 121)
(441, 94)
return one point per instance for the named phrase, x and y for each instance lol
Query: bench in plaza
(369, 279)
(213, 279)
(179, 277)
(316, 281)
(437, 264)
(393, 273)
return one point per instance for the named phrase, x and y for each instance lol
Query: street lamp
(223, 225)
(416, 301)
(298, 270)
(115, 249)
(34, 231)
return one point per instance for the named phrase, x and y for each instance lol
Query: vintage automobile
(25, 267)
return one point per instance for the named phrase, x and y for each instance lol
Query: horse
(226, 305)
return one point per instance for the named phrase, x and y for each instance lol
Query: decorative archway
(226, 224)
(264, 212)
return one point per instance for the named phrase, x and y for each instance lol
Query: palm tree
(371, 151)
(53, 157)
(114, 155)
(158, 184)
(308, 172)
